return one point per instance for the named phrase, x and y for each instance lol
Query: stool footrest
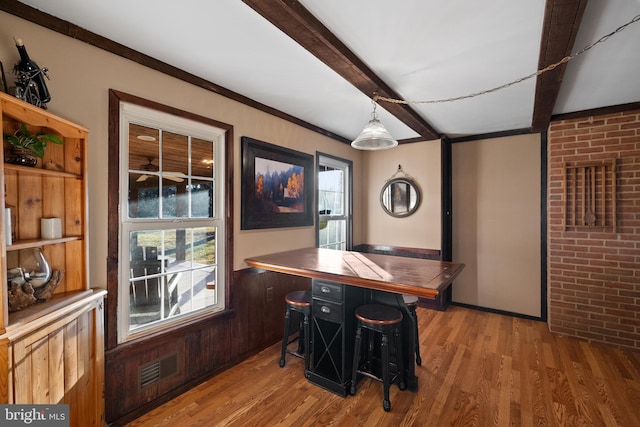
(375, 377)
(295, 353)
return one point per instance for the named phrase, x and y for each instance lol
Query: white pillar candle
(7, 226)
(50, 228)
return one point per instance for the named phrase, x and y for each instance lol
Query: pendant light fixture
(374, 136)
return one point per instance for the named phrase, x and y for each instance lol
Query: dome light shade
(374, 136)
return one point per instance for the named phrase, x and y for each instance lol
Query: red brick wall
(594, 275)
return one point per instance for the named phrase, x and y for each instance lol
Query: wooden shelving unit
(51, 352)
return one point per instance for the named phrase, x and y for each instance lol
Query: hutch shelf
(50, 352)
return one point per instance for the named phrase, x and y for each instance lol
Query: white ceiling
(423, 49)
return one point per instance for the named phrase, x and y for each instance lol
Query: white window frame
(346, 166)
(133, 113)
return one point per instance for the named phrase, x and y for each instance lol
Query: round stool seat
(299, 298)
(378, 314)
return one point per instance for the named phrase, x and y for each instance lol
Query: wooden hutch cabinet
(50, 352)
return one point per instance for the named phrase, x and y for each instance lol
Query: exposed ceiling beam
(561, 23)
(298, 23)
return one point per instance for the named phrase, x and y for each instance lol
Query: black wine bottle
(26, 65)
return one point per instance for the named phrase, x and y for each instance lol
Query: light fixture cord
(564, 60)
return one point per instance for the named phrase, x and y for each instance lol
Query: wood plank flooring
(478, 369)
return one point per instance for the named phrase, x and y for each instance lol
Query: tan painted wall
(81, 76)
(496, 223)
(420, 230)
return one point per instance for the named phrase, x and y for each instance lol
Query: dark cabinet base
(333, 332)
(339, 388)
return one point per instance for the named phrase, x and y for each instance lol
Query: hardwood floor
(478, 369)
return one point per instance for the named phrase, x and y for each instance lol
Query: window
(171, 220)
(333, 224)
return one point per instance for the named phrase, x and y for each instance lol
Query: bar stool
(383, 319)
(299, 301)
(412, 303)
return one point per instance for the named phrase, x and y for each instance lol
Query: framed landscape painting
(277, 186)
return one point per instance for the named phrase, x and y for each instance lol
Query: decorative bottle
(26, 65)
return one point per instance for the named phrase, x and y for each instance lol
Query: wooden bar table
(369, 278)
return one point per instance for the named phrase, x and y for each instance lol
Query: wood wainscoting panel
(399, 251)
(203, 348)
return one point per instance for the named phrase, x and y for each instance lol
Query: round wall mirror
(400, 197)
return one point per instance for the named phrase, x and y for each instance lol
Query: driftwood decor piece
(23, 295)
(590, 196)
(20, 296)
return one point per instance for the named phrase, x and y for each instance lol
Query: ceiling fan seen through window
(150, 167)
